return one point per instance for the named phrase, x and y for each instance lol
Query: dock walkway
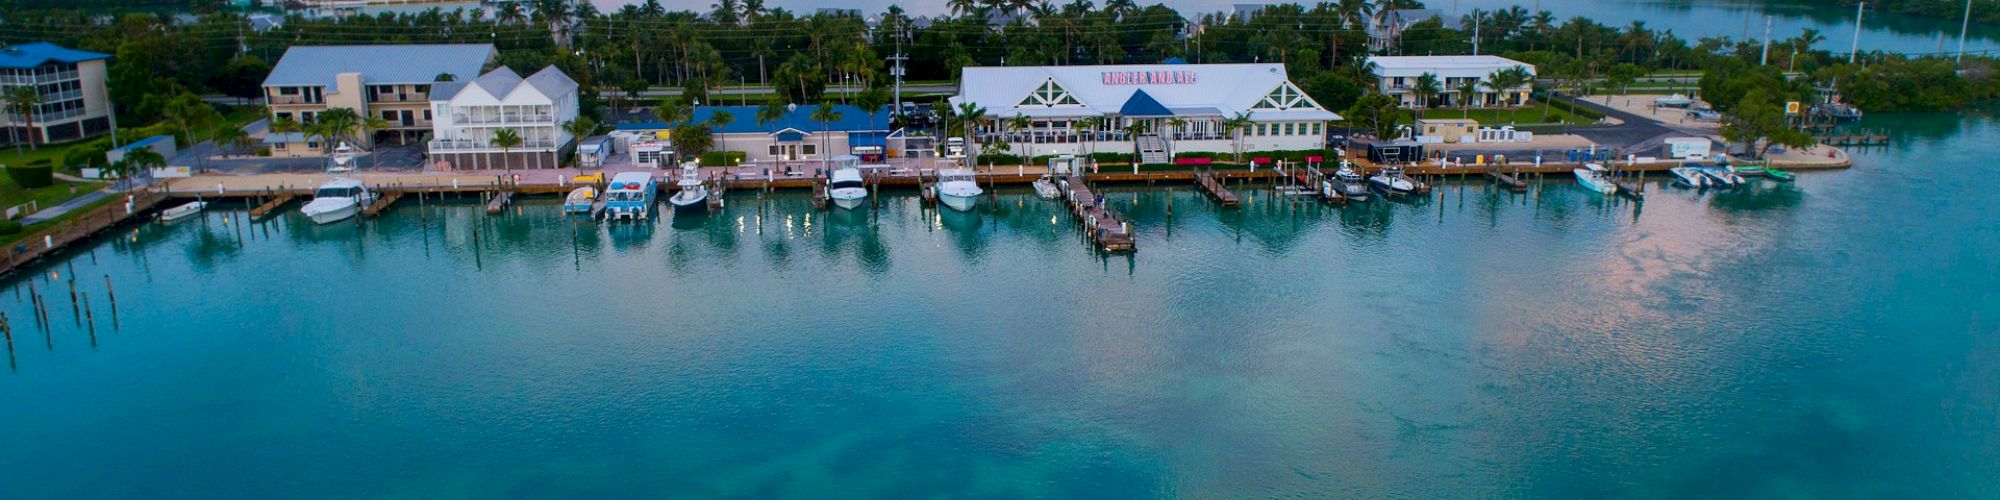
(1215, 189)
(69, 231)
(1105, 228)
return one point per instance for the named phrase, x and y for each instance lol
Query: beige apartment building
(73, 103)
(390, 82)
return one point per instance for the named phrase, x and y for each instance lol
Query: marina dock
(47, 241)
(1505, 179)
(1215, 189)
(275, 201)
(1105, 229)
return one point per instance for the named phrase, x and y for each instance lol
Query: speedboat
(630, 196)
(1045, 187)
(846, 188)
(1351, 183)
(1688, 176)
(184, 211)
(580, 200)
(337, 200)
(1673, 101)
(342, 160)
(692, 198)
(1721, 176)
(1594, 177)
(1392, 182)
(957, 189)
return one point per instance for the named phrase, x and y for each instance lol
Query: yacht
(957, 189)
(580, 200)
(1594, 177)
(337, 200)
(1688, 176)
(630, 196)
(342, 159)
(846, 188)
(1392, 182)
(1350, 183)
(692, 198)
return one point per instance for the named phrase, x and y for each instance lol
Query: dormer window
(1049, 94)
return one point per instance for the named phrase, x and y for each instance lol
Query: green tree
(717, 121)
(825, 114)
(21, 101)
(137, 160)
(1376, 113)
(1426, 87)
(186, 113)
(1759, 123)
(507, 139)
(1236, 125)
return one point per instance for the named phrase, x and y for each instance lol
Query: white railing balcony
(504, 119)
(467, 145)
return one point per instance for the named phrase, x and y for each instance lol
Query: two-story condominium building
(1157, 110)
(471, 114)
(73, 101)
(1397, 76)
(390, 82)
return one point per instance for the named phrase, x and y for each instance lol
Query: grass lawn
(12, 194)
(1530, 114)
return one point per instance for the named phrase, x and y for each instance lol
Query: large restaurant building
(1156, 109)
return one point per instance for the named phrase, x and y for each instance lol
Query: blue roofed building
(73, 101)
(793, 137)
(390, 82)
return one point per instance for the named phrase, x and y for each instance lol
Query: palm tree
(22, 101)
(825, 114)
(1426, 88)
(187, 112)
(970, 114)
(507, 139)
(1018, 123)
(286, 125)
(1087, 127)
(443, 77)
(136, 160)
(774, 109)
(1236, 125)
(1503, 82)
(1467, 92)
(579, 128)
(717, 120)
(234, 137)
(1177, 123)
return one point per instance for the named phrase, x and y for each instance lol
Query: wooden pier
(276, 201)
(73, 229)
(1109, 232)
(821, 194)
(1215, 189)
(499, 202)
(382, 202)
(1505, 179)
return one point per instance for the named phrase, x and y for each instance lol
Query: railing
(76, 228)
(401, 97)
(290, 99)
(461, 145)
(37, 79)
(511, 118)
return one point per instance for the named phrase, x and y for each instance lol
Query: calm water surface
(1832, 338)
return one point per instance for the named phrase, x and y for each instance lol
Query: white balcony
(474, 146)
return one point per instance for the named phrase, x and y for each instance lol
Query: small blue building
(795, 136)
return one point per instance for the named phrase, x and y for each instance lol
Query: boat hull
(849, 203)
(960, 203)
(334, 215)
(183, 211)
(1390, 186)
(684, 206)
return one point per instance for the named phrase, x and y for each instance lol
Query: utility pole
(897, 72)
(1475, 31)
(1962, 25)
(1856, 48)
(1765, 59)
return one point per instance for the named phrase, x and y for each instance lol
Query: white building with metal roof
(1397, 76)
(470, 114)
(1155, 109)
(391, 82)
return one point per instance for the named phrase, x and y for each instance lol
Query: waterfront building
(391, 82)
(792, 137)
(74, 102)
(1157, 110)
(1397, 75)
(1385, 29)
(470, 114)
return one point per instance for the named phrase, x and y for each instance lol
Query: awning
(1143, 104)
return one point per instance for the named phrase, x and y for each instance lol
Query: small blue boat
(580, 200)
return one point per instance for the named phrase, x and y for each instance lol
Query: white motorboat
(692, 198)
(1594, 177)
(1721, 176)
(1688, 176)
(342, 159)
(1045, 187)
(184, 211)
(957, 189)
(337, 200)
(846, 188)
(581, 200)
(1391, 181)
(1350, 183)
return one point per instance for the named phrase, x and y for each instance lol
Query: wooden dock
(499, 202)
(821, 194)
(1215, 189)
(79, 227)
(381, 203)
(1105, 229)
(1505, 179)
(265, 210)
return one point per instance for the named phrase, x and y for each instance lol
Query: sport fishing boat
(630, 196)
(1688, 176)
(1392, 182)
(1594, 177)
(692, 198)
(342, 159)
(580, 200)
(846, 188)
(957, 189)
(337, 200)
(1350, 183)
(1721, 176)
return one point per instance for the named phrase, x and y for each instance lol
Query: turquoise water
(1833, 338)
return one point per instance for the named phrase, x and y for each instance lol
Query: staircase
(1153, 149)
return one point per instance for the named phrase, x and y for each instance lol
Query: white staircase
(1153, 149)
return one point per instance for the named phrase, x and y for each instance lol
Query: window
(1049, 94)
(389, 115)
(427, 115)
(810, 149)
(284, 116)
(1288, 129)
(774, 150)
(1260, 129)
(1286, 96)
(288, 91)
(1316, 128)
